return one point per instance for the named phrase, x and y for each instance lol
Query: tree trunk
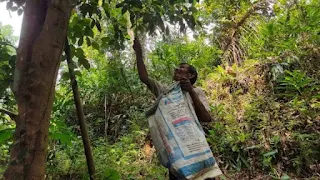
(80, 114)
(44, 29)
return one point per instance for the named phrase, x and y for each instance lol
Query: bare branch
(236, 26)
(12, 115)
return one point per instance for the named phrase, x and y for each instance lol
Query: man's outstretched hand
(137, 46)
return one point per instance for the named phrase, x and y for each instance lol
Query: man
(187, 75)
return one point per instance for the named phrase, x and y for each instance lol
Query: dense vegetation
(258, 62)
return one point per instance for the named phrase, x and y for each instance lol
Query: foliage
(256, 130)
(7, 62)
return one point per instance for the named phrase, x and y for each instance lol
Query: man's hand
(137, 46)
(186, 84)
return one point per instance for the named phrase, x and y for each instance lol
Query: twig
(12, 115)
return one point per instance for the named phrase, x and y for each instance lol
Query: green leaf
(95, 45)
(124, 9)
(6, 134)
(77, 73)
(79, 53)
(65, 138)
(65, 76)
(223, 177)
(245, 162)
(193, 9)
(111, 174)
(84, 63)
(285, 177)
(80, 41)
(89, 32)
(77, 32)
(93, 22)
(88, 41)
(98, 26)
(271, 153)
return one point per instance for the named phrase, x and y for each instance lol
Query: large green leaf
(111, 174)
(6, 134)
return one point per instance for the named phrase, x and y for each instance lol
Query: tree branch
(12, 115)
(236, 26)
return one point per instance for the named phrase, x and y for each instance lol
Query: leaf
(9, 5)
(223, 177)
(193, 9)
(88, 41)
(65, 138)
(98, 26)
(119, 5)
(15, 8)
(285, 177)
(77, 73)
(95, 45)
(84, 63)
(6, 134)
(93, 22)
(20, 11)
(79, 53)
(271, 153)
(77, 32)
(124, 9)
(89, 32)
(65, 76)
(80, 41)
(111, 174)
(137, 4)
(245, 162)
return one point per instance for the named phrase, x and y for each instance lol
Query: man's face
(182, 72)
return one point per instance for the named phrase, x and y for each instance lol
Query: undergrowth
(263, 126)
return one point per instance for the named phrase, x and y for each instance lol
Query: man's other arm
(201, 111)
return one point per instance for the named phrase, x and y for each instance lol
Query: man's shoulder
(156, 87)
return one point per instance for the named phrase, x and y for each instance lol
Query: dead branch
(12, 115)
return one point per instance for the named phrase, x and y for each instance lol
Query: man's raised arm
(143, 74)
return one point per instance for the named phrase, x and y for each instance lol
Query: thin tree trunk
(105, 117)
(80, 114)
(44, 29)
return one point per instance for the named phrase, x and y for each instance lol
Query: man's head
(185, 70)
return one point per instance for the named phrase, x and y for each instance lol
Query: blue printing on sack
(195, 168)
(168, 100)
(178, 155)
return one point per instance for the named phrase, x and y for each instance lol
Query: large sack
(178, 137)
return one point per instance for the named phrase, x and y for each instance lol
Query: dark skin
(182, 75)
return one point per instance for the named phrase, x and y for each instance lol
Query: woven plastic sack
(178, 137)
